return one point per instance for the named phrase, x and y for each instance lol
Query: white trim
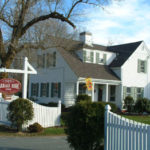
(93, 85)
(106, 92)
(101, 81)
(77, 88)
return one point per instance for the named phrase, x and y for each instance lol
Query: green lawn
(5, 131)
(140, 118)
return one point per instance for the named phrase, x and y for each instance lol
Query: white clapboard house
(116, 71)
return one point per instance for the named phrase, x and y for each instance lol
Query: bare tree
(21, 15)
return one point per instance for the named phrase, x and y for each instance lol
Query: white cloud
(123, 22)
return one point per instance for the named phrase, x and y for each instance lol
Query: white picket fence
(45, 116)
(125, 134)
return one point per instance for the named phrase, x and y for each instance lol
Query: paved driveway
(33, 143)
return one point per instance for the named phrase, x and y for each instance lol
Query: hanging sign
(9, 86)
(88, 84)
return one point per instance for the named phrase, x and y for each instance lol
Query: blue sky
(121, 22)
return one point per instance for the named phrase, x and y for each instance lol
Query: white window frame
(55, 90)
(128, 93)
(142, 66)
(139, 93)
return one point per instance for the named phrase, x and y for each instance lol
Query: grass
(139, 118)
(53, 131)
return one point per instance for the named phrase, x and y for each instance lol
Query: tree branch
(7, 22)
(55, 15)
(73, 6)
(31, 46)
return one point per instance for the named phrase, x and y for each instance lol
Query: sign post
(28, 69)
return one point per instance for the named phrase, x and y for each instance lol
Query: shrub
(20, 112)
(83, 97)
(128, 103)
(36, 127)
(64, 116)
(52, 104)
(44, 104)
(85, 125)
(142, 105)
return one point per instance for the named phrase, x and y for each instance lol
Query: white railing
(45, 116)
(125, 134)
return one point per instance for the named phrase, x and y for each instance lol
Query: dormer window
(99, 59)
(88, 56)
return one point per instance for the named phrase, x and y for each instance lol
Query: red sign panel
(9, 86)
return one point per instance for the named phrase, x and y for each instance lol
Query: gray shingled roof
(123, 51)
(85, 70)
(97, 71)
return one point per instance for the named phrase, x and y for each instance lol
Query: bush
(64, 116)
(83, 97)
(36, 127)
(142, 105)
(20, 112)
(128, 103)
(53, 104)
(44, 104)
(85, 125)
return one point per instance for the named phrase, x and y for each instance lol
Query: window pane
(82, 89)
(112, 93)
(128, 90)
(49, 60)
(44, 89)
(55, 90)
(142, 67)
(34, 89)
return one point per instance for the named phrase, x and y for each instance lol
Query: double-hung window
(46, 60)
(44, 90)
(34, 89)
(56, 90)
(128, 93)
(101, 59)
(135, 92)
(139, 92)
(112, 93)
(82, 88)
(88, 56)
(142, 66)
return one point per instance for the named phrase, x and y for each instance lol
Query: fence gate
(45, 116)
(125, 134)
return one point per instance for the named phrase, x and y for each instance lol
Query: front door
(100, 94)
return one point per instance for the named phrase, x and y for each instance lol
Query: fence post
(59, 111)
(107, 110)
(25, 78)
(148, 137)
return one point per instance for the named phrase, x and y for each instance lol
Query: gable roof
(85, 70)
(123, 52)
(68, 47)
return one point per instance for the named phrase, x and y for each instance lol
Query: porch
(103, 90)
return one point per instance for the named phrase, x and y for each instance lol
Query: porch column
(107, 92)
(77, 88)
(93, 84)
